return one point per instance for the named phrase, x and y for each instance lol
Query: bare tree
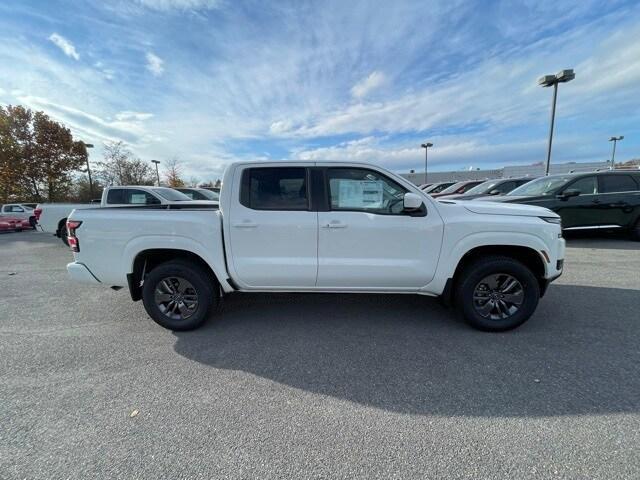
(121, 167)
(172, 173)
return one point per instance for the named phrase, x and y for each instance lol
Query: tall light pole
(157, 172)
(613, 154)
(89, 145)
(563, 76)
(426, 147)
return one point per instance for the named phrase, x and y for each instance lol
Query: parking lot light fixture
(426, 147)
(613, 154)
(157, 162)
(563, 76)
(89, 145)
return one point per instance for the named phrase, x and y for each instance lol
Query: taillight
(72, 240)
(37, 212)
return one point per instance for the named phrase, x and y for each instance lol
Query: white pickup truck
(322, 227)
(52, 217)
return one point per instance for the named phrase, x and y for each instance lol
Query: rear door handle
(245, 225)
(335, 225)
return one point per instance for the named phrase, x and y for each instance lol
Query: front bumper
(80, 273)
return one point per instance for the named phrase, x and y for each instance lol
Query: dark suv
(585, 201)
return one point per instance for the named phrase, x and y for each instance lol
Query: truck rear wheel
(62, 231)
(179, 295)
(497, 293)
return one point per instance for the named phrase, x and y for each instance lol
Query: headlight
(556, 220)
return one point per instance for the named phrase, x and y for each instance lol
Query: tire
(635, 230)
(192, 282)
(62, 231)
(507, 305)
(33, 222)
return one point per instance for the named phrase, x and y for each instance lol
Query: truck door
(366, 241)
(272, 231)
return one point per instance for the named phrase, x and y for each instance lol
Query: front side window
(364, 190)
(505, 187)
(275, 188)
(586, 186)
(617, 183)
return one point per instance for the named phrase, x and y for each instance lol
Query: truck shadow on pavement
(578, 355)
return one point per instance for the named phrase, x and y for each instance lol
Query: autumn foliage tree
(37, 156)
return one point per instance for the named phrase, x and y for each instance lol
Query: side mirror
(567, 194)
(494, 192)
(411, 202)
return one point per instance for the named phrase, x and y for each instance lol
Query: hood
(500, 208)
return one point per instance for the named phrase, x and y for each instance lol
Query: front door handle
(335, 225)
(245, 225)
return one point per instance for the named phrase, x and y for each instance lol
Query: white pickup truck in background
(322, 227)
(52, 217)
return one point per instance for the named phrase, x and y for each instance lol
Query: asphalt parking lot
(318, 386)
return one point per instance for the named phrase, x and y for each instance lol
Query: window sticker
(138, 198)
(360, 193)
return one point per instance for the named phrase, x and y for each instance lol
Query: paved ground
(318, 386)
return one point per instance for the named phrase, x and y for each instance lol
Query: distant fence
(505, 172)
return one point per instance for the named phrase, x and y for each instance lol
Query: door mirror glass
(494, 192)
(571, 192)
(411, 202)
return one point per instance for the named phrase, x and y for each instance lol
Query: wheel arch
(147, 260)
(529, 256)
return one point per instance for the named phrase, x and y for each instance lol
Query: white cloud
(65, 45)
(155, 64)
(128, 115)
(367, 85)
(165, 5)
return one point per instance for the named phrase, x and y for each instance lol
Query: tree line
(40, 161)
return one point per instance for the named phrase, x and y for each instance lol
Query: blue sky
(212, 81)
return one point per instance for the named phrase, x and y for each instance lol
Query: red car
(12, 224)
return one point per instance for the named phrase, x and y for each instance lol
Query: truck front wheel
(497, 293)
(179, 295)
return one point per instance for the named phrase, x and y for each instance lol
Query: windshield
(453, 188)
(208, 194)
(437, 187)
(484, 187)
(540, 186)
(200, 194)
(171, 194)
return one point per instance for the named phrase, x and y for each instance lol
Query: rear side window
(130, 196)
(277, 188)
(617, 183)
(586, 186)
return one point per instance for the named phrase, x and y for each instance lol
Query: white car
(52, 217)
(322, 227)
